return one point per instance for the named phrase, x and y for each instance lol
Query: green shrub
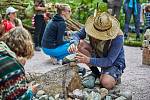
(27, 21)
(132, 41)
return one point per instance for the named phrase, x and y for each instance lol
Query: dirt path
(136, 76)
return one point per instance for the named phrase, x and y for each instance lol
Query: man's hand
(81, 58)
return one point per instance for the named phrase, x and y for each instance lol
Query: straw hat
(102, 27)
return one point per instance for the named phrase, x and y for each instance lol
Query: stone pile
(73, 82)
(52, 89)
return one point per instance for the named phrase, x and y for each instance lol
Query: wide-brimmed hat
(11, 10)
(102, 27)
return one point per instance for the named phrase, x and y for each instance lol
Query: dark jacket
(115, 3)
(54, 32)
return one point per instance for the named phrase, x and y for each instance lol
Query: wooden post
(146, 56)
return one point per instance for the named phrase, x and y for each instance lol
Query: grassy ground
(131, 41)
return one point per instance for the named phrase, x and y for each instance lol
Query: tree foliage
(81, 9)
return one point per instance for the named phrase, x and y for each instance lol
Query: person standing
(115, 6)
(53, 43)
(40, 23)
(132, 7)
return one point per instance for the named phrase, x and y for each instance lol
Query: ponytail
(60, 7)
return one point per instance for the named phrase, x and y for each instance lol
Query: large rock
(63, 79)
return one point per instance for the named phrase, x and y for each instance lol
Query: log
(76, 23)
(73, 25)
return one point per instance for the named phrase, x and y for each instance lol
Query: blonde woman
(15, 48)
(52, 41)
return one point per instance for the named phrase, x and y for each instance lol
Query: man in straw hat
(105, 49)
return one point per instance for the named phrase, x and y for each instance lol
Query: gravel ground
(136, 76)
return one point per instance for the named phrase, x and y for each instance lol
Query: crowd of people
(104, 48)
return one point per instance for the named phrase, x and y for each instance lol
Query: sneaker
(59, 62)
(53, 60)
(37, 48)
(125, 36)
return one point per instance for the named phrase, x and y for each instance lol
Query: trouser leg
(116, 11)
(128, 14)
(137, 21)
(38, 26)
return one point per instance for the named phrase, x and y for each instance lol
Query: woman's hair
(61, 7)
(19, 41)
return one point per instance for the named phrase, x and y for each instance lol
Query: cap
(10, 10)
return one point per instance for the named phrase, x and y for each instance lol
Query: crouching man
(105, 49)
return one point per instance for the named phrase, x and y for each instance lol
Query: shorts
(113, 71)
(59, 52)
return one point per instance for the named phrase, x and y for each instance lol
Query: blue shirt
(115, 56)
